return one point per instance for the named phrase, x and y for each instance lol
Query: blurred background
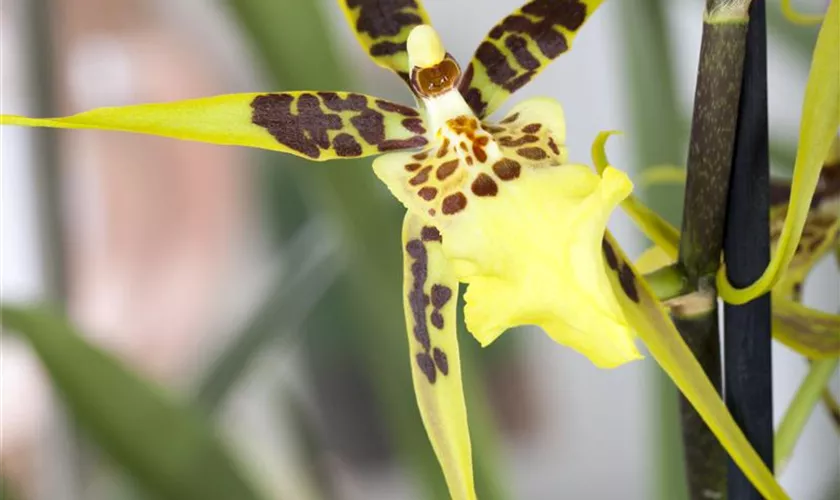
(265, 291)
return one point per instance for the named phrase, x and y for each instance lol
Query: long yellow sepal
(315, 125)
(430, 295)
(652, 324)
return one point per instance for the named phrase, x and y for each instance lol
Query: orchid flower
(493, 204)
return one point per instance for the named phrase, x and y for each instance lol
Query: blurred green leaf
(313, 266)
(170, 451)
(659, 139)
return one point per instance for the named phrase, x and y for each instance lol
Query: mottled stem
(714, 121)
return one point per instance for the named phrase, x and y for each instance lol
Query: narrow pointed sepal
(820, 234)
(665, 236)
(430, 295)
(382, 28)
(314, 125)
(519, 47)
(652, 324)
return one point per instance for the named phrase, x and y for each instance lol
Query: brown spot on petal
(532, 153)
(609, 254)
(421, 155)
(387, 49)
(412, 167)
(553, 146)
(428, 193)
(400, 144)
(427, 366)
(346, 145)
(440, 295)
(371, 126)
(437, 319)
(441, 361)
(484, 185)
(396, 108)
(444, 148)
(305, 132)
(430, 233)
(519, 48)
(454, 203)
(421, 177)
(507, 169)
(628, 283)
(446, 169)
(511, 118)
(414, 125)
(353, 102)
(510, 142)
(479, 153)
(532, 128)
(417, 300)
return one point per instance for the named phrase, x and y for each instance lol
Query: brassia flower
(491, 204)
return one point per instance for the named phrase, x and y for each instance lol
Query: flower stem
(668, 282)
(714, 121)
(801, 407)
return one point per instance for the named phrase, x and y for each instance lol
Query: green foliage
(171, 452)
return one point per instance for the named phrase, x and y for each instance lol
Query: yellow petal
(532, 256)
(382, 28)
(315, 125)
(430, 295)
(654, 327)
(519, 47)
(820, 120)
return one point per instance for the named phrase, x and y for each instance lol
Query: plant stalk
(711, 146)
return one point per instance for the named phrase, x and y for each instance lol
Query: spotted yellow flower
(493, 204)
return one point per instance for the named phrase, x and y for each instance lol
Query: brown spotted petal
(519, 48)
(533, 256)
(382, 28)
(315, 125)
(430, 295)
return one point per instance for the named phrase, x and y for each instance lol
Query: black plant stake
(747, 328)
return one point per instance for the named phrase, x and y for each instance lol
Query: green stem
(800, 408)
(668, 282)
(711, 146)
